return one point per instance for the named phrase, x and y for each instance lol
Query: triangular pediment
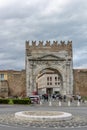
(50, 57)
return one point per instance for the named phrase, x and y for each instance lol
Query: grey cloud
(80, 57)
(21, 9)
(28, 20)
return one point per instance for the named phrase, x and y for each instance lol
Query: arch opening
(49, 81)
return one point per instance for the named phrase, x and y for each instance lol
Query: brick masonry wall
(80, 81)
(3, 89)
(17, 82)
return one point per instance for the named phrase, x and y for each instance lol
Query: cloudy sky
(22, 20)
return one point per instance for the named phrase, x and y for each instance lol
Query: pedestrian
(64, 98)
(79, 98)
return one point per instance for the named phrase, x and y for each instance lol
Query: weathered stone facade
(80, 81)
(55, 56)
(40, 58)
(14, 84)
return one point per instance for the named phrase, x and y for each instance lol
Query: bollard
(69, 103)
(40, 102)
(59, 103)
(78, 103)
(50, 103)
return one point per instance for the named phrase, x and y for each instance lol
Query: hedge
(21, 101)
(84, 97)
(4, 101)
(15, 101)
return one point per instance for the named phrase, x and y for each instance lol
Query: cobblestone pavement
(76, 121)
(79, 116)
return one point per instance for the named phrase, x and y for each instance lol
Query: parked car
(35, 99)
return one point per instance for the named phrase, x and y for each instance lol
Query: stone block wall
(3, 89)
(17, 82)
(53, 55)
(15, 85)
(80, 81)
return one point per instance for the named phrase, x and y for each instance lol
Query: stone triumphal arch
(49, 67)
